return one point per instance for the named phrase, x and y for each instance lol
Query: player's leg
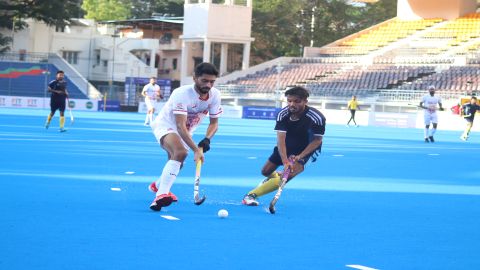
(177, 152)
(62, 115)
(353, 117)
(426, 119)
(53, 108)
(466, 132)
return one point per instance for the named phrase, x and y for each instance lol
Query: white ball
(222, 213)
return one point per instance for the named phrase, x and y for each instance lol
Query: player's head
(354, 97)
(473, 100)
(204, 77)
(60, 75)
(153, 79)
(297, 98)
(431, 89)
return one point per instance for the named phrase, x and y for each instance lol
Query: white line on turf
(252, 157)
(169, 217)
(129, 172)
(337, 155)
(115, 189)
(434, 154)
(361, 267)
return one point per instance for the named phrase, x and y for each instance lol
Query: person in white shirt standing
(177, 120)
(429, 104)
(151, 92)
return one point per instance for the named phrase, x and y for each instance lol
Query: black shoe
(431, 139)
(426, 140)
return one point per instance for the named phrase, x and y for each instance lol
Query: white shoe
(463, 138)
(250, 200)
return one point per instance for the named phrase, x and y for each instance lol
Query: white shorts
(430, 117)
(151, 104)
(162, 129)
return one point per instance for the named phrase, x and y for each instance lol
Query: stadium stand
(31, 79)
(394, 55)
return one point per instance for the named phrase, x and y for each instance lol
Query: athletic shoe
(63, 130)
(250, 200)
(146, 124)
(426, 140)
(153, 188)
(356, 125)
(463, 138)
(47, 125)
(431, 139)
(347, 125)
(160, 201)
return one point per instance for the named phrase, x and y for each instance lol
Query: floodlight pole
(278, 91)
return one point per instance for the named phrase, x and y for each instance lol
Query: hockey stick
(285, 175)
(70, 112)
(196, 196)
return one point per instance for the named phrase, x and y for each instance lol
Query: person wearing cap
(429, 104)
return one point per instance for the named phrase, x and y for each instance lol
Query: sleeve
(281, 125)
(52, 85)
(215, 109)
(319, 129)
(179, 103)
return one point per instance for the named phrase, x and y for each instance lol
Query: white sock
(426, 132)
(150, 116)
(146, 118)
(433, 131)
(169, 174)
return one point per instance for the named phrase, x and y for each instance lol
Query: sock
(146, 118)
(150, 117)
(62, 121)
(49, 118)
(271, 183)
(426, 132)
(169, 174)
(433, 131)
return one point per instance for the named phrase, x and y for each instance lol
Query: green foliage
(14, 12)
(283, 28)
(145, 8)
(105, 10)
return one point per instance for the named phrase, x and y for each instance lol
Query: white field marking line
(115, 189)
(169, 217)
(434, 154)
(129, 172)
(337, 155)
(251, 157)
(90, 141)
(361, 267)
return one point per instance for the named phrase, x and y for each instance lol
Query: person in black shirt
(300, 129)
(468, 113)
(58, 88)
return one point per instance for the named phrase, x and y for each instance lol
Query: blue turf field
(377, 197)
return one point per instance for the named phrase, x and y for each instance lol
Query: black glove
(205, 144)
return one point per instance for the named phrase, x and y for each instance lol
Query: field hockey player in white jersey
(152, 93)
(429, 104)
(175, 124)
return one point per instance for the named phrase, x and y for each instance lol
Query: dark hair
(297, 91)
(60, 71)
(205, 68)
(474, 97)
(153, 77)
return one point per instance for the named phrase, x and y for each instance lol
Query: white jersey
(185, 100)
(151, 91)
(430, 103)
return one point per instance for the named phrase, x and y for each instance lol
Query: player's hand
(198, 155)
(441, 109)
(205, 144)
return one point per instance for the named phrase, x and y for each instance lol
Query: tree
(105, 10)
(145, 8)
(14, 12)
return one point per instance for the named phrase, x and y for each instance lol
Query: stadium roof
(154, 22)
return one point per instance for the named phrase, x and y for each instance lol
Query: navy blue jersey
(59, 86)
(470, 109)
(300, 132)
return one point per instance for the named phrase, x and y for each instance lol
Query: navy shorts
(57, 104)
(277, 160)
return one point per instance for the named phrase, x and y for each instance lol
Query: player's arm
(211, 130)
(421, 105)
(144, 91)
(282, 148)
(311, 147)
(441, 107)
(181, 122)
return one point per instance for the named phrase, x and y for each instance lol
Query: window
(60, 29)
(71, 57)
(97, 57)
(174, 63)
